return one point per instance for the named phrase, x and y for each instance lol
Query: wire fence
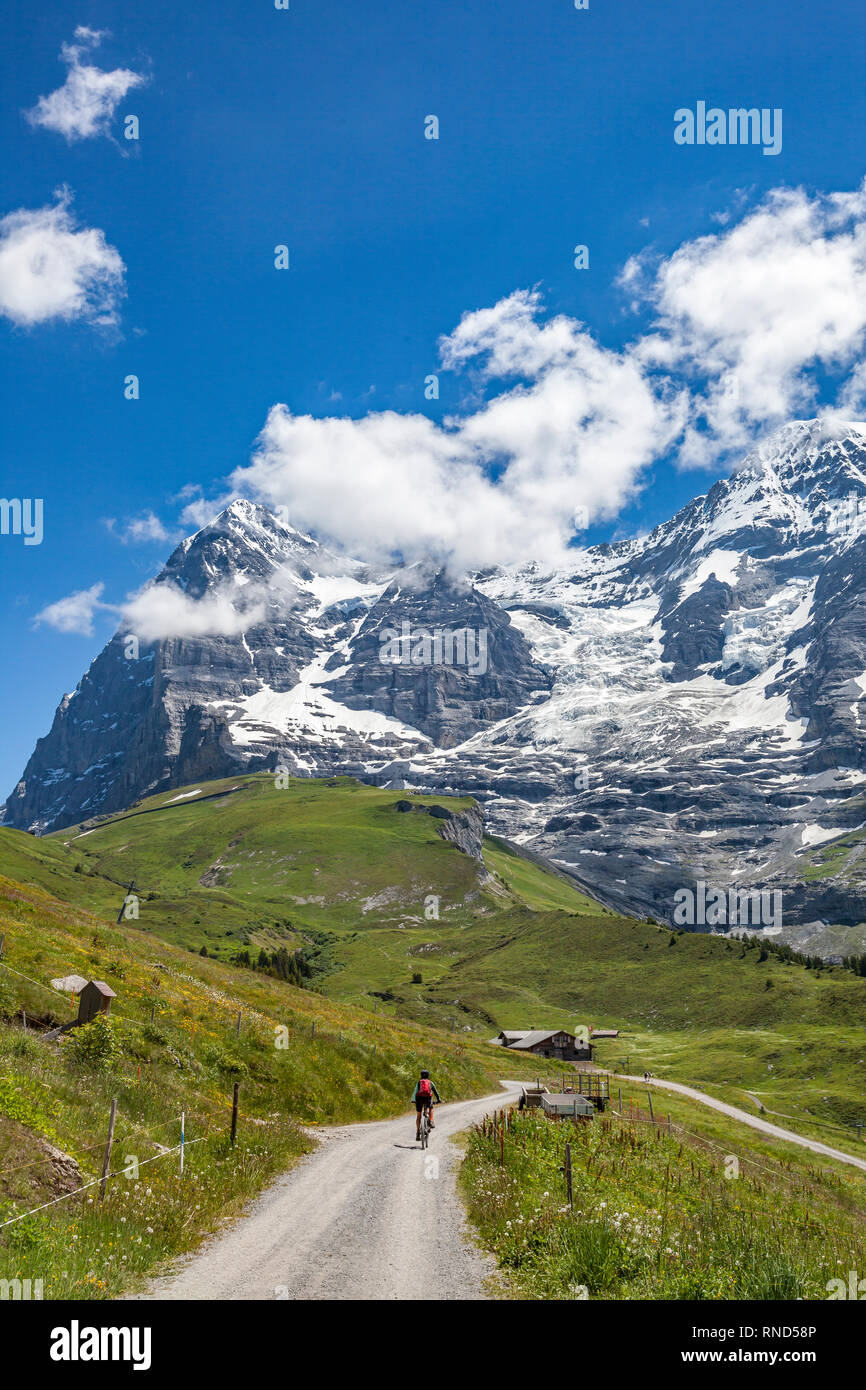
(119, 1173)
(134, 1133)
(808, 1224)
(782, 1175)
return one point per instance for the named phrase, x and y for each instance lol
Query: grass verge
(657, 1215)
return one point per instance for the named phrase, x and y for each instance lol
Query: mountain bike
(425, 1125)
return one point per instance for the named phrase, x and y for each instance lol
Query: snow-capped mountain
(682, 706)
(299, 685)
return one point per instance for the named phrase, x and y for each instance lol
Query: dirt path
(753, 1120)
(367, 1215)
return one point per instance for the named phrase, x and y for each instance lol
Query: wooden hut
(94, 999)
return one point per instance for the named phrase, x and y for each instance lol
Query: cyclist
(422, 1099)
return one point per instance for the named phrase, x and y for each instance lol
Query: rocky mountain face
(683, 707)
(338, 669)
(481, 671)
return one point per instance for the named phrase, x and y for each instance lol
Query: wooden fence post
(568, 1180)
(106, 1160)
(238, 1025)
(182, 1139)
(620, 1100)
(650, 1099)
(235, 1112)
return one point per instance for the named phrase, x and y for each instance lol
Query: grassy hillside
(374, 896)
(172, 1046)
(633, 973)
(417, 953)
(393, 919)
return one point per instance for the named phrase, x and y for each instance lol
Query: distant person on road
(422, 1099)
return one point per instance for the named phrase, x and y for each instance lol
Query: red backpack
(424, 1088)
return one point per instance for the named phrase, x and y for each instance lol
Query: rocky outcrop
(694, 631)
(465, 829)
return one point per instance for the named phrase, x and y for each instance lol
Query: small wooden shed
(94, 999)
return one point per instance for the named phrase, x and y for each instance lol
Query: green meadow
(173, 1045)
(413, 952)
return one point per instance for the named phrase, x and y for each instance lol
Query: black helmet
(425, 1073)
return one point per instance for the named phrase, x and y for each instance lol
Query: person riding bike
(422, 1099)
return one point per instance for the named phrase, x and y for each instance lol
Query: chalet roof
(538, 1035)
(604, 1033)
(103, 988)
(513, 1034)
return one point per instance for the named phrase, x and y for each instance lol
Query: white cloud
(161, 611)
(583, 430)
(49, 269)
(751, 315)
(144, 528)
(852, 397)
(745, 327)
(199, 511)
(73, 613)
(501, 484)
(763, 319)
(84, 106)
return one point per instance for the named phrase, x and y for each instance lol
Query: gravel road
(369, 1216)
(745, 1118)
(366, 1216)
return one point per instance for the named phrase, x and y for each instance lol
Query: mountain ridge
(678, 706)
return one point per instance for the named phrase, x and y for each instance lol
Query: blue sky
(305, 127)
